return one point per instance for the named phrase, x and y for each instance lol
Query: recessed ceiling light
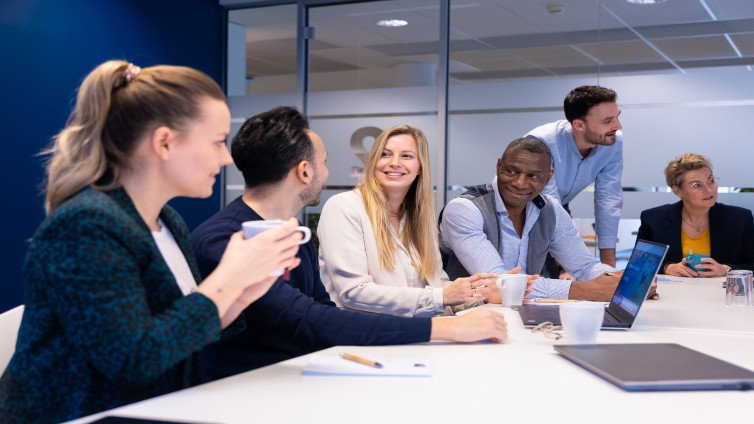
(392, 23)
(645, 1)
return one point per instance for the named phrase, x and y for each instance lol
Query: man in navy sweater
(283, 165)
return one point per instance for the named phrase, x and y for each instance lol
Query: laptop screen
(637, 277)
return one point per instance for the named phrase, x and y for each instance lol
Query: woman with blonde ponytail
(378, 243)
(114, 313)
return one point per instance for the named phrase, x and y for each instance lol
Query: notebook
(658, 366)
(332, 365)
(632, 289)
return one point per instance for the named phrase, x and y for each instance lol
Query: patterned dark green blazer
(105, 323)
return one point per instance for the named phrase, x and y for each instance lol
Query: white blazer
(349, 265)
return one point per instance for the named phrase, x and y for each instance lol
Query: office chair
(10, 321)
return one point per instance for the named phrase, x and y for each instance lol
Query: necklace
(698, 228)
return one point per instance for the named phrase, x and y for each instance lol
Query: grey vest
(483, 197)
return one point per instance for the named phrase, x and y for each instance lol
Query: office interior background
(473, 74)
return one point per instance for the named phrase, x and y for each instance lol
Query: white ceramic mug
(581, 321)
(511, 288)
(252, 228)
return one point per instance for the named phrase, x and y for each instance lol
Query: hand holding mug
(253, 228)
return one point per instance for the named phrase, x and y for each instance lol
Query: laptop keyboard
(609, 318)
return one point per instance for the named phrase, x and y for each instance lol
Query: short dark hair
(531, 145)
(269, 144)
(581, 99)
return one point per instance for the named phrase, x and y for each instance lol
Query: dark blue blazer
(293, 318)
(731, 233)
(105, 323)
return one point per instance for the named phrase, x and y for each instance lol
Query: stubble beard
(599, 140)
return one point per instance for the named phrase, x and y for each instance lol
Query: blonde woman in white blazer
(378, 243)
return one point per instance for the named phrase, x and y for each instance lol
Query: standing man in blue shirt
(587, 147)
(284, 169)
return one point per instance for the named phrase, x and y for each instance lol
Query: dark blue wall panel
(46, 48)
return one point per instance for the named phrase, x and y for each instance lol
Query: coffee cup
(512, 288)
(252, 228)
(581, 321)
(696, 259)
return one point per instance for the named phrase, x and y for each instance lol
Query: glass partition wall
(361, 81)
(476, 74)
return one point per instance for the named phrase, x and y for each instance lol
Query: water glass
(738, 288)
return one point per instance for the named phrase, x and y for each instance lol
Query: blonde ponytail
(115, 105)
(77, 156)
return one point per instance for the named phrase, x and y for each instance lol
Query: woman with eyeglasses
(698, 224)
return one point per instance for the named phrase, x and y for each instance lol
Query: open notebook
(332, 364)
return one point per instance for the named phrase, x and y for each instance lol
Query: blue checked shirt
(603, 167)
(462, 231)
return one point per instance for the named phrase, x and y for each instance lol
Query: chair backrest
(10, 321)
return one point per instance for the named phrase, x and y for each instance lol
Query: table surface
(523, 378)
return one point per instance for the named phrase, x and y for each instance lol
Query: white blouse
(175, 259)
(350, 267)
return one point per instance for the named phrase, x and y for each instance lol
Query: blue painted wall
(46, 48)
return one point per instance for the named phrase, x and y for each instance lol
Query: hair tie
(131, 72)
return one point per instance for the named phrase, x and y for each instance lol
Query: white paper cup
(511, 288)
(252, 228)
(581, 321)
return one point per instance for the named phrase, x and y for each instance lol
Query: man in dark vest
(508, 222)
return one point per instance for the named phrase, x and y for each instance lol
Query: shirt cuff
(549, 288)
(430, 303)
(606, 242)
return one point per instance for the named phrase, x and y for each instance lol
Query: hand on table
(469, 289)
(479, 324)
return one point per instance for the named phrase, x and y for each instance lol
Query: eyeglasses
(711, 183)
(550, 331)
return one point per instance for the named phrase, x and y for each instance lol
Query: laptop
(632, 289)
(658, 366)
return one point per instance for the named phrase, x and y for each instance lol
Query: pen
(362, 361)
(554, 300)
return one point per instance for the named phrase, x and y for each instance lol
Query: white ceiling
(505, 39)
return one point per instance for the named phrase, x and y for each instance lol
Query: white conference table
(523, 378)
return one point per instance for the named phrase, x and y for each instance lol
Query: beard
(310, 196)
(600, 139)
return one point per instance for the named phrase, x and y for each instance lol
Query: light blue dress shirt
(462, 231)
(573, 173)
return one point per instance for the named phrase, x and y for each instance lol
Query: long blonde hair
(116, 104)
(419, 234)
